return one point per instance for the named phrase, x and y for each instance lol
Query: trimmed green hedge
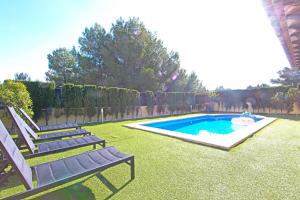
(79, 99)
(149, 101)
(91, 97)
(42, 95)
(260, 98)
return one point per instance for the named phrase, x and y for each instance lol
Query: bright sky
(229, 43)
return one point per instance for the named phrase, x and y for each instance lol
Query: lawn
(266, 166)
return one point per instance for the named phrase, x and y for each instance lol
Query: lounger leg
(132, 168)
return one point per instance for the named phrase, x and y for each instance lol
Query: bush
(114, 100)
(102, 100)
(14, 93)
(133, 101)
(292, 96)
(161, 101)
(123, 96)
(149, 102)
(42, 95)
(90, 99)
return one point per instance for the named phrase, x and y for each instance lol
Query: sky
(227, 43)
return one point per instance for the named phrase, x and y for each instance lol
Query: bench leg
(87, 134)
(132, 172)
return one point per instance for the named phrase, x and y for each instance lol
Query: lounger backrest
(21, 130)
(30, 120)
(13, 154)
(28, 128)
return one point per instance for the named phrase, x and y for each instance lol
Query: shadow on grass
(78, 191)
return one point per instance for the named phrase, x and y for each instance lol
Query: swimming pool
(216, 124)
(214, 130)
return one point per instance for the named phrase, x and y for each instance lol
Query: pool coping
(224, 142)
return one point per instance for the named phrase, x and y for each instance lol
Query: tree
(22, 76)
(288, 77)
(91, 44)
(263, 85)
(292, 96)
(62, 66)
(129, 56)
(194, 84)
(279, 100)
(14, 93)
(183, 82)
(136, 58)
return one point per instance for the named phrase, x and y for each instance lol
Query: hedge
(117, 101)
(91, 97)
(149, 99)
(42, 95)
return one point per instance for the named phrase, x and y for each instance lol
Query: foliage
(90, 99)
(22, 76)
(63, 66)
(171, 101)
(42, 95)
(92, 43)
(288, 77)
(161, 101)
(278, 100)
(149, 95)
(114, 100)
(263, 85)
(102, 100)
(128, 56)
(182, 82)
(123, 95)
(259, 98)
(14, 93)
(133, 101)
(292, 96)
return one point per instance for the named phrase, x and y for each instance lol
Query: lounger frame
(19, 167)
(46, 136)
(26, 139)
(44, 128)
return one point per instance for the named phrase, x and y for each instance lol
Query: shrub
(123, 96)
(90, 99)
(149, 101)
(102, 100)
(278, 100)
(133, 101)
(114, 101)
(14, 93)
(42, 95)
(292, 96)
(161, 101)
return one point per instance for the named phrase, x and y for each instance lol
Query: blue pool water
(216, 124)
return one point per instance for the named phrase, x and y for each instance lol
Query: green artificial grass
(265, 166)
